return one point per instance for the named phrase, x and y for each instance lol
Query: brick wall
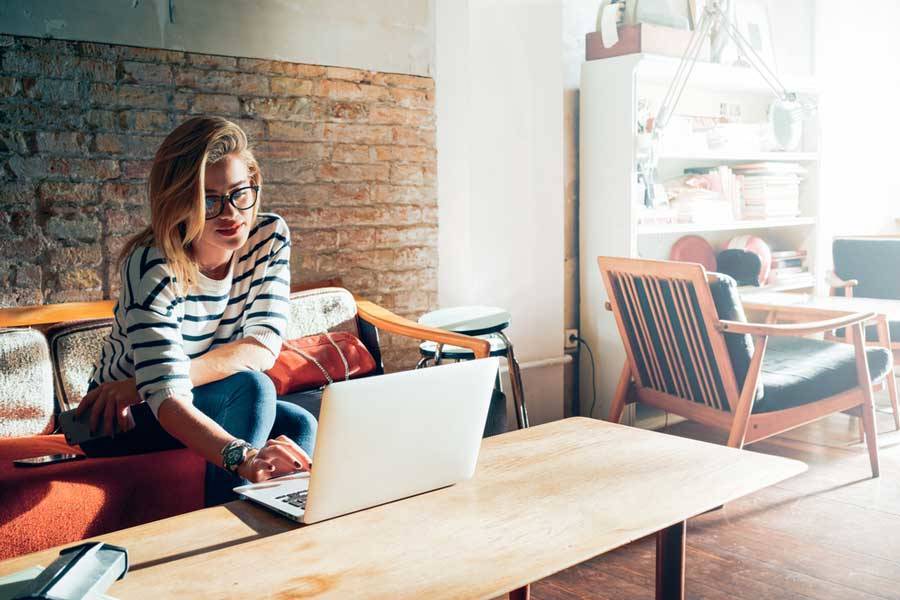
(348, 158)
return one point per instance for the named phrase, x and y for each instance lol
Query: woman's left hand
(109, 402)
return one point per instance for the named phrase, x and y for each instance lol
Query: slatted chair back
(666, 316)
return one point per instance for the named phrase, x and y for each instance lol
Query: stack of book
(723, 180)
(770, 190)
(789, 268)
(701, 206)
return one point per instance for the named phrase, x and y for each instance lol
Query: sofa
(46, 355)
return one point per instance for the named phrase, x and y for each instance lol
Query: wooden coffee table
(543, 499)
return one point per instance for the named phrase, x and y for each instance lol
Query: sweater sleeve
(153, 329)
(267, 313)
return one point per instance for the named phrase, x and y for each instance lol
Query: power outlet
(571, 339)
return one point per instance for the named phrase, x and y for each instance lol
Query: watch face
(235, 456)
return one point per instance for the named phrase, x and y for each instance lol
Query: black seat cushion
(311, 400)
(872, 332)
(798, 371)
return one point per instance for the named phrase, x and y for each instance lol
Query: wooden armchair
(690, 351)
(863, 268)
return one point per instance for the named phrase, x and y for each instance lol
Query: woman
(200, 314)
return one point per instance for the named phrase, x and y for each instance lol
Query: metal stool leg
(515, 380)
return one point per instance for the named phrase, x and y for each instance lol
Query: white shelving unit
(609, 201)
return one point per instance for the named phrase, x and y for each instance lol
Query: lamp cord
(593, 374)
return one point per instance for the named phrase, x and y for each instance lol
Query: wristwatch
(234, 454)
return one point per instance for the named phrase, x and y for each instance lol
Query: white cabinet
(610, 197)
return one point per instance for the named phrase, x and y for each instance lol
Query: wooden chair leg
(891, 382)
(871, 436)
(523, 593)
(884, 338)
(868, 407)
(620, 398)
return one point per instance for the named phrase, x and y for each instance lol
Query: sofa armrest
(387, 321)
(24, 316)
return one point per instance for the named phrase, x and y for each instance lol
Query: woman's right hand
(280, 456)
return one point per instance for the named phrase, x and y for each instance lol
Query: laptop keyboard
(296, 499)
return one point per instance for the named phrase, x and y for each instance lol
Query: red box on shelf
(643, 37)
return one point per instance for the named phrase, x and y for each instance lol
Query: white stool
(487, 322)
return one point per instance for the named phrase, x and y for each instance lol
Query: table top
(542, 499)
(888, 308)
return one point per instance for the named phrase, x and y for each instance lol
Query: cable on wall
(593, 374)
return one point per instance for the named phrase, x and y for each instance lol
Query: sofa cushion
(798, 371)
(66, 502)
(74, 347)
(320, 310)
(26, 383)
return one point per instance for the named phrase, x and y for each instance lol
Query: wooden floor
(831, 533)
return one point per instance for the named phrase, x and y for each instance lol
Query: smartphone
(78, 429)
(49, 459)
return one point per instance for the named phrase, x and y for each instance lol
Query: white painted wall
(498, 82)
(857, 52)
(382, 35)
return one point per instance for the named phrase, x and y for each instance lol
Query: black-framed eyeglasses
(242, 199)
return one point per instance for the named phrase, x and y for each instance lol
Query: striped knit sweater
(157, 331)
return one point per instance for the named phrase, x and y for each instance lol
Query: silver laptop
(385, 438)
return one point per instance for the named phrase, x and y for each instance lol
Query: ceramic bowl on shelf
(694, 249)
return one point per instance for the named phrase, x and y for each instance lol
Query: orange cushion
(45, 506)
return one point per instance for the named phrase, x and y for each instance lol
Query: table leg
(523, 593)
(670, 544)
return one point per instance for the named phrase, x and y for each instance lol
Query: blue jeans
(244, 404)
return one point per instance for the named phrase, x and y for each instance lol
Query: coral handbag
(315, 361)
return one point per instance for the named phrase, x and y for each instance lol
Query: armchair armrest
(387, 321)
(794, 329)
(835, 282)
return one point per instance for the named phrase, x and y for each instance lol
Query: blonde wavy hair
(176, 190)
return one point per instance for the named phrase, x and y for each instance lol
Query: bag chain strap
(312, 359)
(341, 354)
